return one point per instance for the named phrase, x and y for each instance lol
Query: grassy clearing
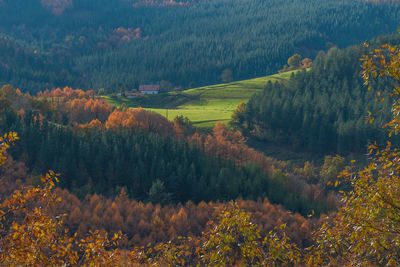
(204, 106)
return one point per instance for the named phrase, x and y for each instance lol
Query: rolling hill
(204, 106)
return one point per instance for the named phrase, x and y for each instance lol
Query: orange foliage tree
(138, 117)
(230, 145)
(32, 233)
(31, 236)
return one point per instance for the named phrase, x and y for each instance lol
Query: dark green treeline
(105, 161)
(185, 45)
(326, 108)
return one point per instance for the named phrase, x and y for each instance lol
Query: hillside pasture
(204, 106)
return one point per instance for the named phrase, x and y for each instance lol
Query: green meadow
(204, 106)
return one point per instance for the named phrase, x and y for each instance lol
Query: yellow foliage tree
(366, 230)
(30, 235)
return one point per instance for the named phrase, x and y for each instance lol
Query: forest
(324, 109)
(103, 150)
(34, 230)
(87, 183)
(118, 45)
(131, 170)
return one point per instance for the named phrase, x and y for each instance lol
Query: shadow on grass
(163, 100)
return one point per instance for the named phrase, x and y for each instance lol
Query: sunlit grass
(204, 106)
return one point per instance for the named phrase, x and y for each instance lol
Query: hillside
(92, 178)
(326, 109)
(118, 45)
(100, 149)
(271, 136)
(204, 106)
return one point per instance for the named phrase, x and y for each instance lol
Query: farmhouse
(149, 89)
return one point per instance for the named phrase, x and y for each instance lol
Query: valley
(199, 133)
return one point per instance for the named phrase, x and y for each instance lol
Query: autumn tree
(294, 62)
(238, 118)
(7, 91)
(331, 168)
(366, 230)
(183, 126)
(232, 240)
(132, 118)
(37, 240)
(30, 235)
(306, 63)
(5, 142)
(13, 174)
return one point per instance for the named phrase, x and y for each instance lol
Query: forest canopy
(325, 109)
(118, 45)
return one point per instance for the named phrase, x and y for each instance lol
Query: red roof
(149, 88)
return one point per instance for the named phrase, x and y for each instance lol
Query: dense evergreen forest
(324, 109)
(118, 45)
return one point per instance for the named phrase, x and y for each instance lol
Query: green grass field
(204, 106)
